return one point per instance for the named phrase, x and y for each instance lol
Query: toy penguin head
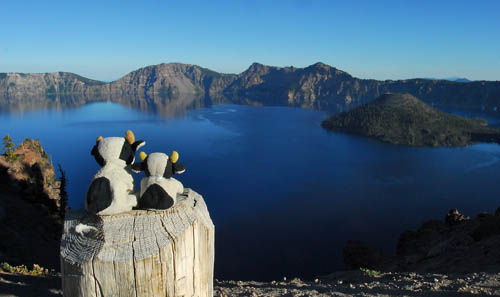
(116, 148)
(159, 164)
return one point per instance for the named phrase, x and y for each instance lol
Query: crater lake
(284, 194)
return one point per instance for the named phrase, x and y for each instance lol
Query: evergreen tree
(9, 147)
(62, 193)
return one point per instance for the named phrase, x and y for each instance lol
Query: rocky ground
(345, 283)
(457, 244)
(358, 283)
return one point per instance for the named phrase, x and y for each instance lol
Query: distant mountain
(453, 78)
(165, 88)
(458, 79)
(404, 119)
(174, 86)
(323, 87)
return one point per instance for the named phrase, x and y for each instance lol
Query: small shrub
(370, 272)
(37, 269)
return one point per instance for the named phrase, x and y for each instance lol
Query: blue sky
(369, 39)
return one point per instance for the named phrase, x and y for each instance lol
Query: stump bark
(141, 253)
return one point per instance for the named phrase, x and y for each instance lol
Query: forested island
(404, 119)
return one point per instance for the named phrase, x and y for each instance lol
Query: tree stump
(142, 253)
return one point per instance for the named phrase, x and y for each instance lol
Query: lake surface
(284, 194)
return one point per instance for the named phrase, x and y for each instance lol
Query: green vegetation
(369, 272)
(36, 270)
(62, 193)
(88, 81)
(404, 119)
(62, 88)
(9, 147)
(210, 73)
(198, 91)
(51, 90)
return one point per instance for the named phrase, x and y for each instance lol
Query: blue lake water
(284, 194)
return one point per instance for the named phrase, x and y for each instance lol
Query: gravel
(356, 283)
(344, 283)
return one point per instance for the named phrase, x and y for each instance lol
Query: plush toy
(159, 189)
(111, 190)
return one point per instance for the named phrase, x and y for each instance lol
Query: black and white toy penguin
(112, 189)
(159, 189)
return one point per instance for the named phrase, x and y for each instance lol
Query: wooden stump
(142, 253)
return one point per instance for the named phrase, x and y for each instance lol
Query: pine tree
(62, 193)
(9, 147)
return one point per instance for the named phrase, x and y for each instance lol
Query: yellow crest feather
(129, 136)
(174, 156)
(98, 139)
(143, 156)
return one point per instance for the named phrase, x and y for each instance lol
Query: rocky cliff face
(318, 86)
(171, 81)
(457, 244)
(322, 87)
(169, 88)
(30, 219)
(19, 91)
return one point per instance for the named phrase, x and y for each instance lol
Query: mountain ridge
(318, 86)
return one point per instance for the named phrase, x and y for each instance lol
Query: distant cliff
(322, 87)
(19, 91)
(169, 88)
(318, 86)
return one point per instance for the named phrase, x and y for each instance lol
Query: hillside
(157, 87)
(404, 119)
(30, 208)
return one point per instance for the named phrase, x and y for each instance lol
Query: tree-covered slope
(404, 119)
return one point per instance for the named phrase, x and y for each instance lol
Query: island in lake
(406, 120)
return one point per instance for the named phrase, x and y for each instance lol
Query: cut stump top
(133, 235)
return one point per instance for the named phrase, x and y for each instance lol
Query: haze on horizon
(368, 39)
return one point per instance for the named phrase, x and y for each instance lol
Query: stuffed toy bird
(112, 189)
(159, 190)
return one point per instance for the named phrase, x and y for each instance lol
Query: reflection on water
(160, 105)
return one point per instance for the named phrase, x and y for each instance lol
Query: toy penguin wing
(178, 168)
(156, 197)
(99, 196)
(140, 166)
